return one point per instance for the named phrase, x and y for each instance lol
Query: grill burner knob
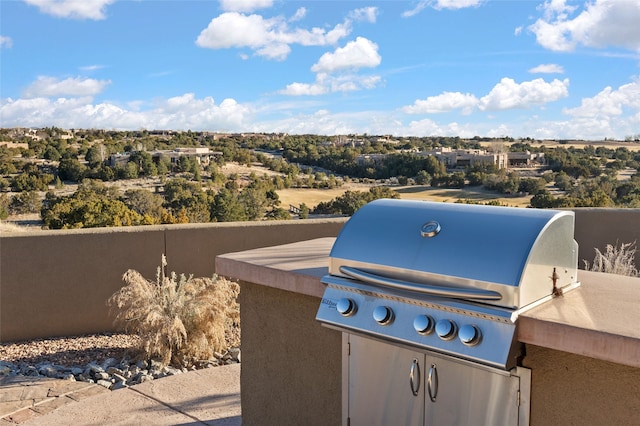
(346, 307)
(446, 329)
(469, 335)
(383, 315)
(423, 324)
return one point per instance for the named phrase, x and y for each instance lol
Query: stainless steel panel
(497, 347)
(379, 386)
(474, 246)
(379, 390)
(471, 396)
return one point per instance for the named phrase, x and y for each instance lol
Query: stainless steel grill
(445, 279)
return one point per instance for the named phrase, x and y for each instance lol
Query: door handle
(414, 377)
(432, 383)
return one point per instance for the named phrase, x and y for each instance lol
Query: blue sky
(543, 69)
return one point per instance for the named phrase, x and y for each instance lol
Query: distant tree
(96, 155)
(144, 163)
(423, 178)
(349, 202)
(4, 206)
(51, 153)
(304, 211)
(278, 213)
(92, 205)
(145, 203)
(72, 170)
(25, 202)
(531, 186)
(182, 194)
(226, 207)
(543, 200)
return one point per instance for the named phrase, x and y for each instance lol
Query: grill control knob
(469, 335)
(446, 329)
(383, 315)
(346, 307)
(423, 324)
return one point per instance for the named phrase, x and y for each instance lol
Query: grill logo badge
(329, 302)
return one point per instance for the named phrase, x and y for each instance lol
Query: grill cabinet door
(380, 389)
(469, 395)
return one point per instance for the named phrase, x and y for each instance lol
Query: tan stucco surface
(56, 283)
(291, 365)
(568, 387)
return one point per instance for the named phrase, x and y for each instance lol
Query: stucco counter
(583, 347)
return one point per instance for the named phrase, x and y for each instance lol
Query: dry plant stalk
(615, 260)
(180, 320)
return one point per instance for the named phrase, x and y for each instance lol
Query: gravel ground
(70, 351)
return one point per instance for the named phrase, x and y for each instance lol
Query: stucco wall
(568, 389)
(56, 283)
(597, 227)
(291, 365)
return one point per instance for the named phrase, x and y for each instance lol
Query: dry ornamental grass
(615, 260)
(180, 320)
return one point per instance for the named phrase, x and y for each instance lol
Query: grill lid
(502, 256)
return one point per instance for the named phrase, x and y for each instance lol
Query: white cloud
(509, 95)
(6, 42)
(91, 67)
(602, 23)
(244, 5)
(51, 86)
(327, 83)
(456, 4)
(180, 113)
(367, 14)
(304, 89)
(356, 54)
(299, 15)
(609, 102)
(335, 71)
(547, 69)
(270, 37)
(445, 102)
(419, 8)
(75, 9)
(428, 127)
(441, 4)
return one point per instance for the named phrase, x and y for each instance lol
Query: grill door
(464, 395)
(385, 388)
(380, 389)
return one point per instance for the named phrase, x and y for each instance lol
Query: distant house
(202, 155)
(453, 158)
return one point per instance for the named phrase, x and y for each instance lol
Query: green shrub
(180, 320)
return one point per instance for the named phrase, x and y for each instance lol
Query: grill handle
(414, 377)
(460, 293)
(432, 383)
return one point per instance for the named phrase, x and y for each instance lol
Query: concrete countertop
(599, 319)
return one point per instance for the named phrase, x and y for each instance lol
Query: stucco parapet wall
(56, 283)
(599, 319)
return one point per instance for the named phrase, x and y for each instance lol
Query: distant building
(453, 158)
(363, 159)
(202, 155)
(460, 158)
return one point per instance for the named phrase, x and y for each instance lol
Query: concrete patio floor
(203, 397)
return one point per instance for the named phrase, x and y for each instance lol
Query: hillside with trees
(85, 178)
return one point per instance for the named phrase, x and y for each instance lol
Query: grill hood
(501, 256)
